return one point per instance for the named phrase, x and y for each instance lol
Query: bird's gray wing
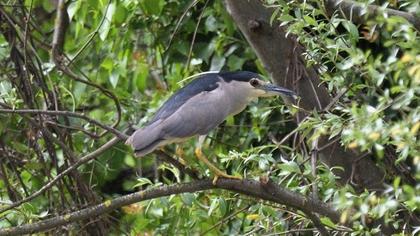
(197, 116)
(161, 129)
(146, 139)
(206, 82)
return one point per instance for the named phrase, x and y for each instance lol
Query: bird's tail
(145, 140)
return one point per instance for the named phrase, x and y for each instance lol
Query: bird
(199, 107)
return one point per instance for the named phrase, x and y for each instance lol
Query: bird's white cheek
(259, 93)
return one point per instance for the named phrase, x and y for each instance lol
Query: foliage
(144, 50)
(374, 70)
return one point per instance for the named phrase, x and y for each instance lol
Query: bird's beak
(273, 90)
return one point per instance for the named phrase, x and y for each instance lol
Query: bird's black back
(206, 82)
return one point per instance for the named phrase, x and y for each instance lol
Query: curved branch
(358, 13)
(263, 190)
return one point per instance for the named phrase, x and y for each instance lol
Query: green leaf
(188, 198)
(213, 205)
(217, 62)
(130, 161)
(142, 181)
(235, 62)
(113, 78)
(310, 20)
(142, 72)
(346, 64)
(211, 24)
(326, 221)
(352, 29)
(291, 167)
(152, 7)
(120, 14)
(104, 30)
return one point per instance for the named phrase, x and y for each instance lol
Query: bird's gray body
(196, 109)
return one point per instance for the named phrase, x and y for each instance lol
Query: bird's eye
(254, 82)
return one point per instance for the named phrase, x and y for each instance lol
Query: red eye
(254, 82)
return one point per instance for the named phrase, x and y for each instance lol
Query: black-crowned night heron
(199, 107)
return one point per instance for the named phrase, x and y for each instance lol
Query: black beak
(280, 90)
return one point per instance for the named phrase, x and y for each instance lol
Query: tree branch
(66, 113)
(266, 191)
(359, 14)
(61, 23)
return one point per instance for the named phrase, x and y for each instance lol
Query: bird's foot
(217, 173)
(224, 175)
(179, 152)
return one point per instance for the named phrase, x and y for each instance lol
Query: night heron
(199, 107)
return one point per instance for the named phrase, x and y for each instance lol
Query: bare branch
(67, 113)
(61, 23)
(266, 191)
(359, 14)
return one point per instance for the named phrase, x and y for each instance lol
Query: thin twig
(66, 113)
(314, 159)
(92, 135)
(194, 35)
(25, 37)
(191, 5)
(57, 54)
(81, 161)
(358, 13)
(225, 219)
(93, 34)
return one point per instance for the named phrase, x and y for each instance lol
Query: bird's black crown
(244, 76)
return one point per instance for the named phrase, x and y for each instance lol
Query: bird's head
(266, 89)
(253, 84)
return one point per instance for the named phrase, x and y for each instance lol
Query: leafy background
(144, 50)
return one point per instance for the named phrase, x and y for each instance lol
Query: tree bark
(283, 60)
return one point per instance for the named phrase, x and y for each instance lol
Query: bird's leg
(216, 171)
(180, 154)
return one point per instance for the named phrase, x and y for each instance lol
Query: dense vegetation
(105, 67)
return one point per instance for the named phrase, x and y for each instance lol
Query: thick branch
(359, 14)
(61, 23)
(265, 191)
(282, 58)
